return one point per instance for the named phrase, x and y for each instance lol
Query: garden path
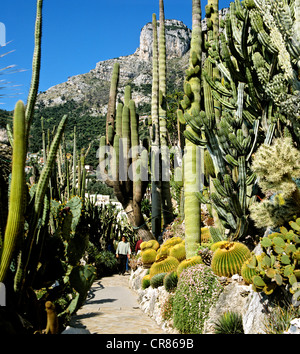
(112, 308)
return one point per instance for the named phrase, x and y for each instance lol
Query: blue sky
(76, 35)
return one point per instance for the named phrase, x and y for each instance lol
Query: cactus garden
(216, 209)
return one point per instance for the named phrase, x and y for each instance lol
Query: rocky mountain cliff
(92, 88)
(84, 97)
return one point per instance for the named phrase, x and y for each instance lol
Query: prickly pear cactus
(279, 264)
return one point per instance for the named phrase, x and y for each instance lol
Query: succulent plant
(277, 167)
(157, 280)
(228, 259)
(247, 271)
(170, 281)
(229, 323)
(178, 251)
(279, 264)
(148, 256)
(146, 282)
(164, 265)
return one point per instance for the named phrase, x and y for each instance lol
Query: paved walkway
(112, 308)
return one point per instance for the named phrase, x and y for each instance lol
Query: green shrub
(197, 290)
(229, 323)
(105, 261)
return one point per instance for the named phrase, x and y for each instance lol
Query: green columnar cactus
(191, 106)
(36, 64)
(111, 109)
(155, 139)
(15, 220)
(74, 163)
(39, 205)
(167, 207)
(228, 259)
(123, 166)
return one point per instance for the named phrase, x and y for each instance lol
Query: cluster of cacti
(148, 252)
(123, 164)
(41, 241)
(279, 263)
(277, 167)
(239, 113)
(228, 258)
(277, 25)
(167, 249)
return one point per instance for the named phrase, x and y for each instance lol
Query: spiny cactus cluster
(244, 63)
(277, 167)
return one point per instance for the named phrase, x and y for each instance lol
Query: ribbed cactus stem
(111, 109)
(36, 64)
(191, 162)
(47, 170)
(15, 220)
(74, 163)
(155, 138)
(165, 163)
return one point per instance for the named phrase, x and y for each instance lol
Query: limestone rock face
(178, 38)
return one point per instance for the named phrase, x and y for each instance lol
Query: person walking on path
(123, 253)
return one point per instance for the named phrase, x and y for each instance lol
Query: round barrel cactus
(178, 251)
(164, 265)
(228, 259)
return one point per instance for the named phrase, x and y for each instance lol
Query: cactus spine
(15, 220)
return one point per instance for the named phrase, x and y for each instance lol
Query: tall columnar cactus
(111, 109)
(191, 106)
(36, 64)
(155, 138)
(124, 165)
(15, 220)
(167, 208)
